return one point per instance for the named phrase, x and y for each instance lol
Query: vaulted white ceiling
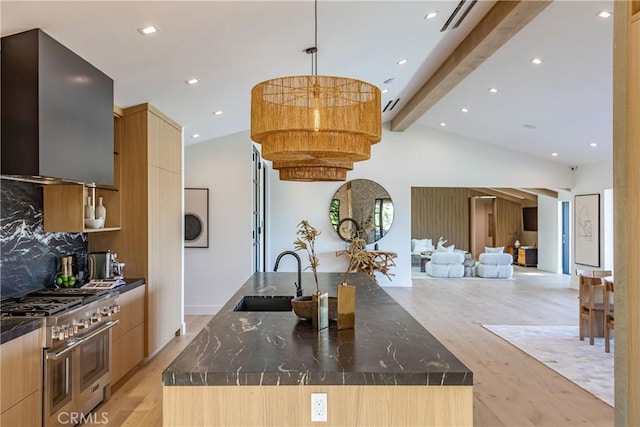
(232, 45)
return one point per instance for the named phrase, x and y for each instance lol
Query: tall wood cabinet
(150, 243)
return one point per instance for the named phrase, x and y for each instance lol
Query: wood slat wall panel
(444, 211)
(508, 219)
(441, 211)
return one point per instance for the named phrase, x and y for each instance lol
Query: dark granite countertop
(387, 347)
(12, 328)
(129, 285)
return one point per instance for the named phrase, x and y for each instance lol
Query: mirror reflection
(361, 207)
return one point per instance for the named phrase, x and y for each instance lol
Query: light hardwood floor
(510, 388)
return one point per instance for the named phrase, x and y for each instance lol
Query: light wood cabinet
(128, 334)
(20, 381)
(150, 242)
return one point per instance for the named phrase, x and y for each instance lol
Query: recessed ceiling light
(389, 80)
(554, 154)
(217, 113)
(443, 124)
(464, 110)
(536, 61)
(195, 135)
(604, 14)
(493, 90)
(431, 15)
(192, 81)
(385, 90)
(402, 62)
(148, 30)
(593, 144)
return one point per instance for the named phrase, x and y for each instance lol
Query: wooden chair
(591, 308)
(608, 314)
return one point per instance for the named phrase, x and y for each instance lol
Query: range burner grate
(38, 306)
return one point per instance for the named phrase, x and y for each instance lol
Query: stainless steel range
(76, 349)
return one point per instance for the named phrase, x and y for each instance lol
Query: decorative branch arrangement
(307, 241)
(370, 262)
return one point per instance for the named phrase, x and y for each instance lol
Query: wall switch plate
(319, 407)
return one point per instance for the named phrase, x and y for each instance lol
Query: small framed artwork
(587, 229)
(196, 217)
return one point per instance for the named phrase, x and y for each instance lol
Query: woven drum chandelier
(314, 127)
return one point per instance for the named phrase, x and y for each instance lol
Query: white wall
(595, 179)
(548, 234)
(213, 274)
(417, 157)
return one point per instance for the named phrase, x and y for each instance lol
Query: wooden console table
(527, 256)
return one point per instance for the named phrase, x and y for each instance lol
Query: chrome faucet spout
(299, 284)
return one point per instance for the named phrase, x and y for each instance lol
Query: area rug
(559, 348)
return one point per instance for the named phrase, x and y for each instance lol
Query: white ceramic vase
(101, 211)
(89, 212)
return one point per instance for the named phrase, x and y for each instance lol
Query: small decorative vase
(516, 244)
(101, 211)
(89, 213)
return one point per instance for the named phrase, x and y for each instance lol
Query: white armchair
(446, 264)
(494, 266)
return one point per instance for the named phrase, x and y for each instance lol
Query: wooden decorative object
(346, 306)
(371, 262)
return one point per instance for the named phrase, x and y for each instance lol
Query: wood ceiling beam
(544, 192)
(518, 193)
(491, 192)
(501, 23)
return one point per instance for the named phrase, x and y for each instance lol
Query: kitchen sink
(264, 303)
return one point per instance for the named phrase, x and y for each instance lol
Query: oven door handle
(110, 324)
(79, 341)
(67, 349)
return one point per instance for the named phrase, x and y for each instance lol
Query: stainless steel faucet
(299, 284)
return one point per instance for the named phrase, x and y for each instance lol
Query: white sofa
(446, 264)
(494, 266)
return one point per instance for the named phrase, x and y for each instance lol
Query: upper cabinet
(57, 112)
(64, 203)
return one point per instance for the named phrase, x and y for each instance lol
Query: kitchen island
(260, 368)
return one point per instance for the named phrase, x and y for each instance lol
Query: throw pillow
(421, 245)
(446, 249)
(498, 250)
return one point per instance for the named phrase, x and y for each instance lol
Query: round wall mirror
(361, 207)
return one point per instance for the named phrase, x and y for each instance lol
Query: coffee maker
(103, 265)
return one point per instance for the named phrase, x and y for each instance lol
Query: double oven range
(76, 331)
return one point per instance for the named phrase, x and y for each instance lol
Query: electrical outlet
(318, 407)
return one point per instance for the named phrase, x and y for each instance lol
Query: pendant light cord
(315, 41)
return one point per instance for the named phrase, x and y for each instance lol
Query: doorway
(482, 223)
(258, 218)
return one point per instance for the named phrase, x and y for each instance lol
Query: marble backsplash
(29, 257)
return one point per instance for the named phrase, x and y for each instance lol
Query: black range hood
(57, 113)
